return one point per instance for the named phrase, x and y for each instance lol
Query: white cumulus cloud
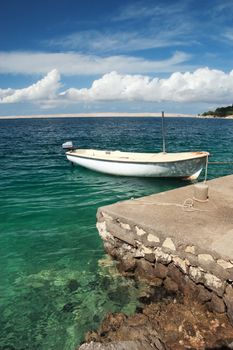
(203, 85)
(44, 89)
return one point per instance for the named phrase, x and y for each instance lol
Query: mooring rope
(206, 168)
(187, 205)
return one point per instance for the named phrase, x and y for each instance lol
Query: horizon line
(98, 114)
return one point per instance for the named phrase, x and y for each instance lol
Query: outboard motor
(68, 146)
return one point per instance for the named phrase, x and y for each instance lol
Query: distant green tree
(208, 113)
(220, 112)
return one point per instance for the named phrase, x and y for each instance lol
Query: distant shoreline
(111, 115)
(214, 117)
(99, 114)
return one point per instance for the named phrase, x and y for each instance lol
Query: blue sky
(86, 56)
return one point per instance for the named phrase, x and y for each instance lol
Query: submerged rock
(168, 324)
(73, 285)
(121, 345)
(69, 307)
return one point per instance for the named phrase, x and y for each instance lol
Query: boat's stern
(202, 163)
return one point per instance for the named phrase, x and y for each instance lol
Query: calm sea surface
(55, 281)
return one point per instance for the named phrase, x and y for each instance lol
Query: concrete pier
(174, 241)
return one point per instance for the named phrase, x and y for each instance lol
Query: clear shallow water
(55, 282)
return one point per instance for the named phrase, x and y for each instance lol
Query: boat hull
(187, 169)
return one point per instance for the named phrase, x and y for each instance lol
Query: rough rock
(111, 249)
(180, 263)
(206, 261)
(120, 233)
(230, 274)
(205, 258)
(121, 345)
(196, 274)
(146, 250)
(144, 269)
(190, 249)
(104, 234)
(203, 294)
(162, 257)
(168, 243)
(189, 288)
(177, 276)
(216, 304)
(125, 226)
(225, 264)
(228, 298)
(139, 231)
(127, 264)
(150, 257)
(160, 270)
(214, 283)
(152, 240)
(168, 324)
(170, 285)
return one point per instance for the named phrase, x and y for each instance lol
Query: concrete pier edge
(187, 248)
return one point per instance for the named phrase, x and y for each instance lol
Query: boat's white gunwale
(117, 160)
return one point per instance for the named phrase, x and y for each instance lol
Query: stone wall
(169, 263)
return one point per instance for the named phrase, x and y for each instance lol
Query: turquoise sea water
(55, 281)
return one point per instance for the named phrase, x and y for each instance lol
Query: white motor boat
(186, 165)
